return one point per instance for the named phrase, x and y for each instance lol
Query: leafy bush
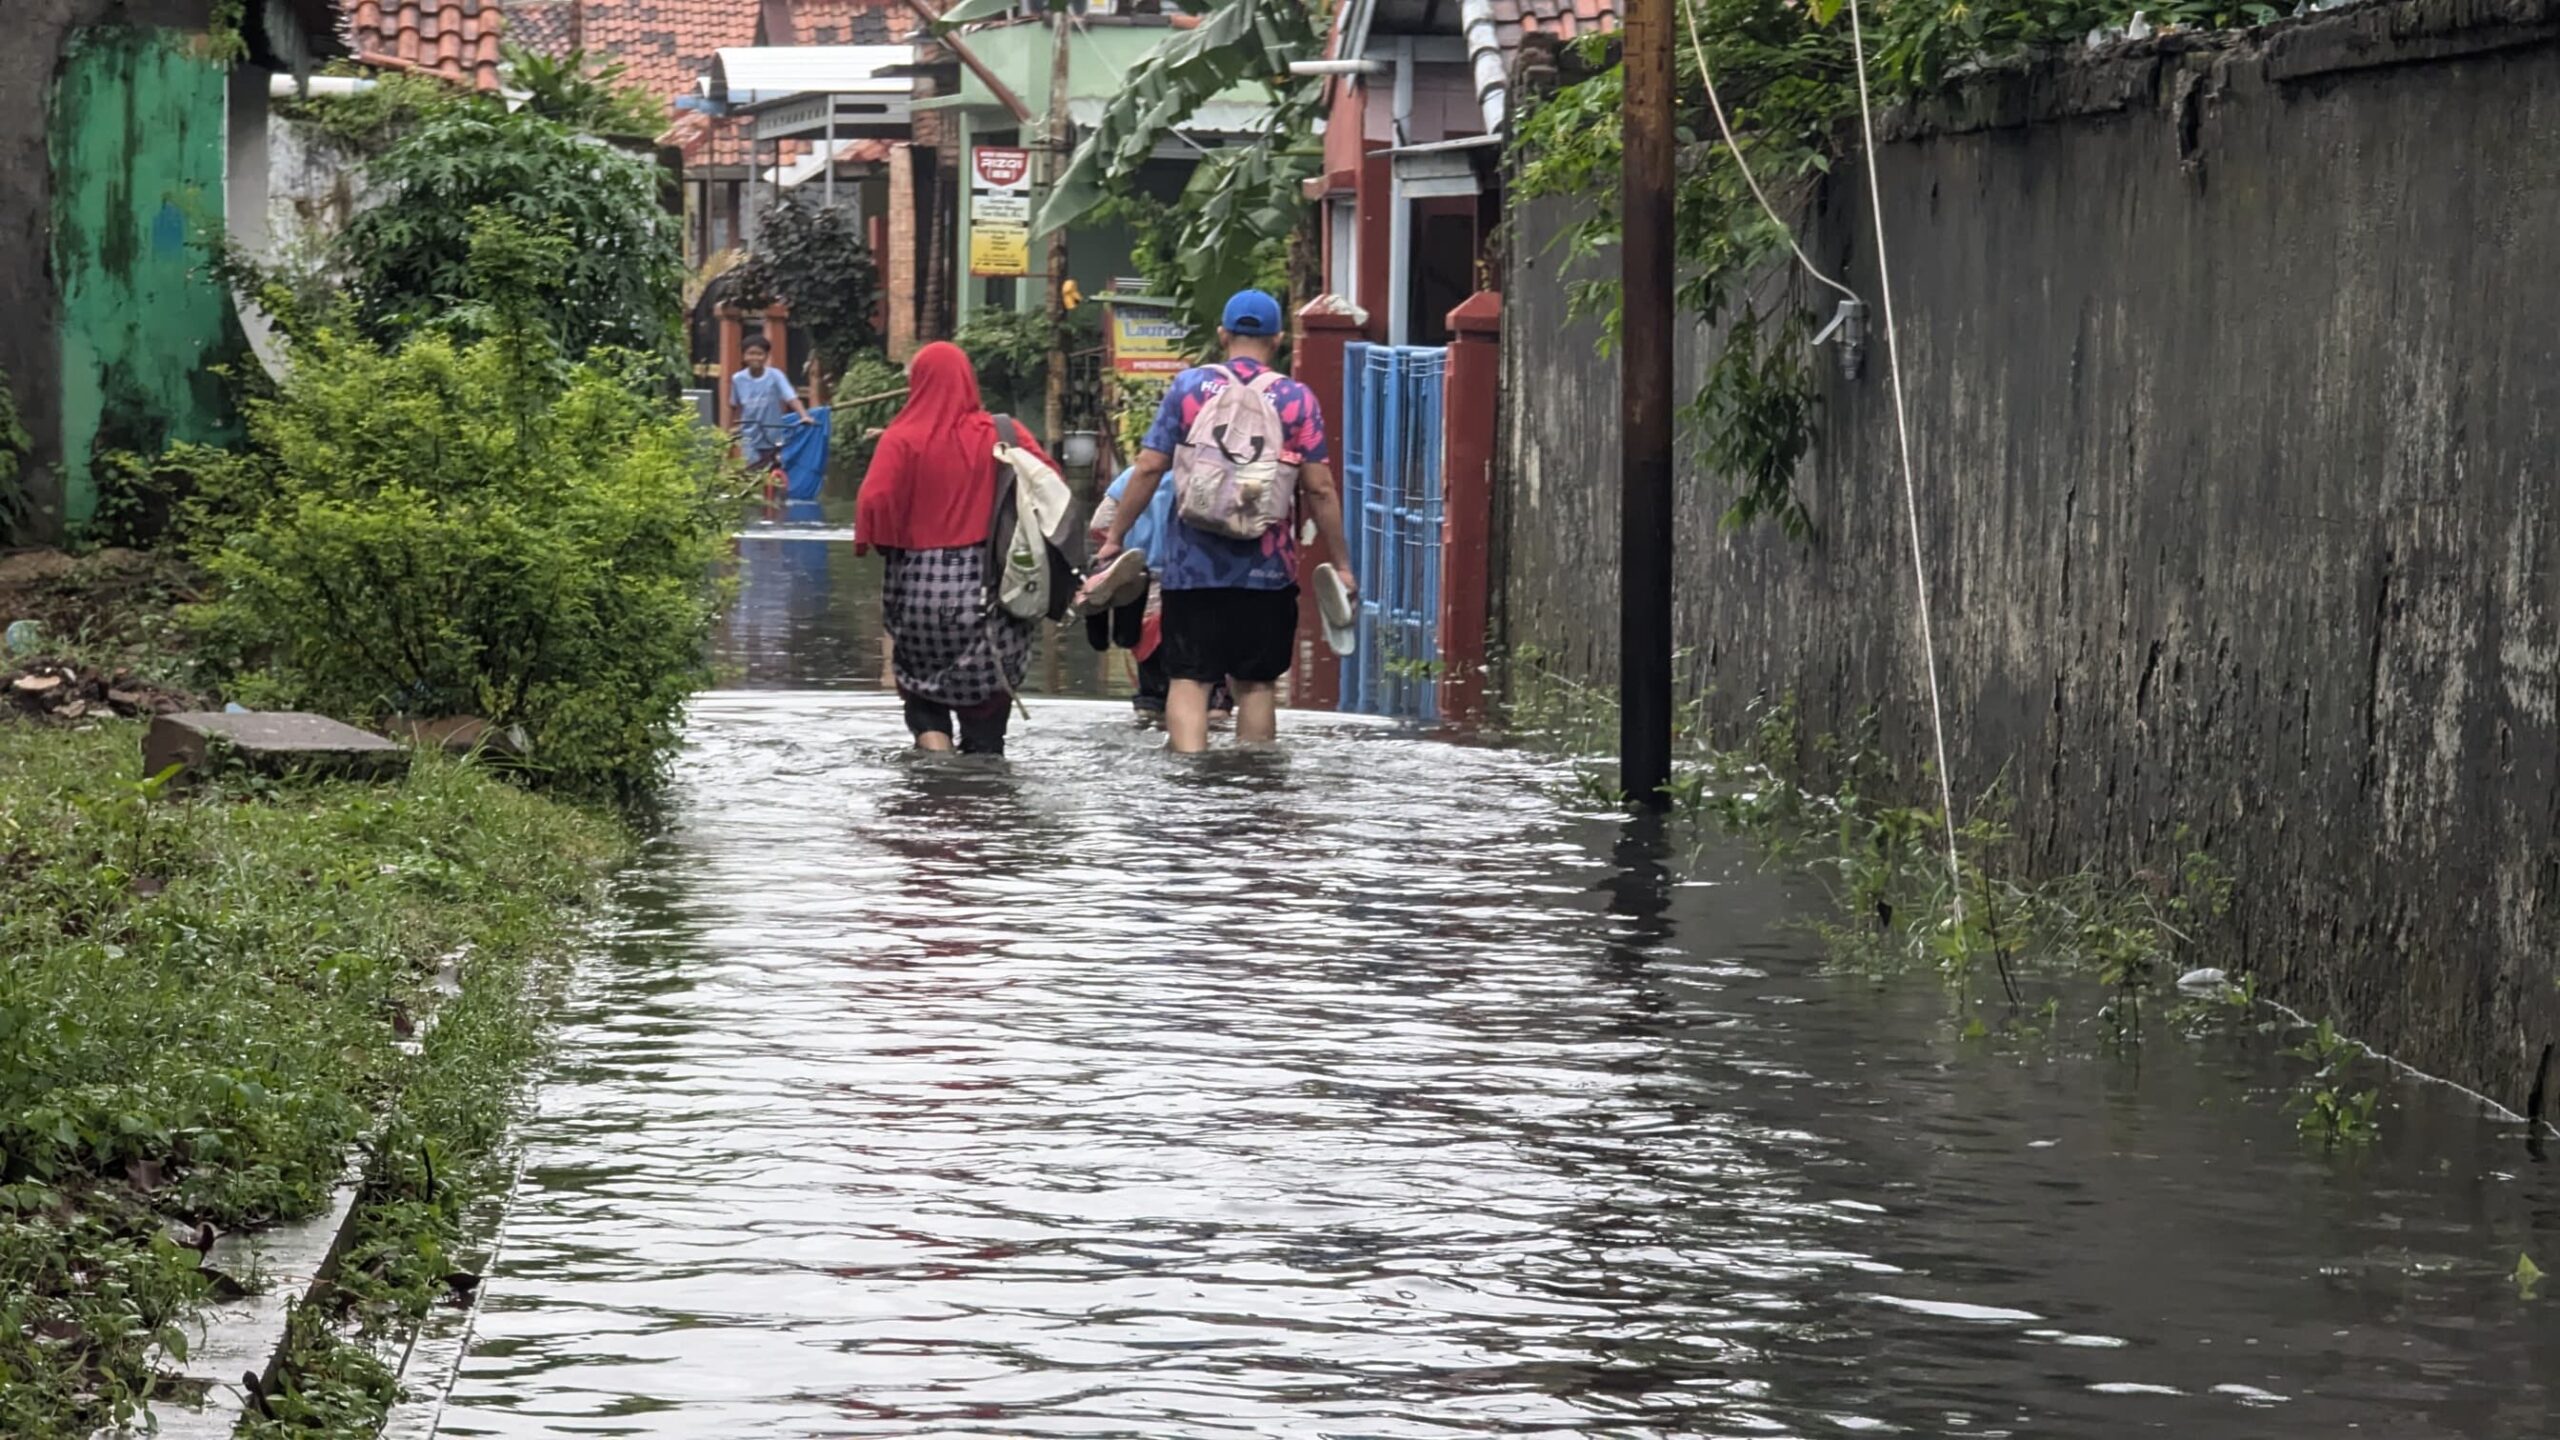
(410, 261)
(813, 257)
(563, 88)
(869, 373)
(371, 119)
(450, 529)
(1010, 349)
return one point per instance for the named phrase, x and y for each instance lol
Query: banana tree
(1243, 197)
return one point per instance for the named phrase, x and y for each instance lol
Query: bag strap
(1007, 433)
(1261, 384)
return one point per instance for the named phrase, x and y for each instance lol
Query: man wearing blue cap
(1230, 580)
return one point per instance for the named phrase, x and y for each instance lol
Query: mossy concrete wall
(2234, 382)
(111, 120)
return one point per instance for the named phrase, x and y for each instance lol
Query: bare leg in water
(1186, 714)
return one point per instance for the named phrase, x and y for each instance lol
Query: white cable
(1902, 436)
(1697, 47)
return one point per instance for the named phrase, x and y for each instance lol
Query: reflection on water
(807, 616)
(1359, 1091)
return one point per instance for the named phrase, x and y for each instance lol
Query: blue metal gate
(1391, 440)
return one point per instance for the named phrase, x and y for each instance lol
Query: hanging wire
(1902, 437)
(1698, 48)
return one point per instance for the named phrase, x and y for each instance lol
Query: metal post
(1645, 310)
(1054, 147)
(1399, 220)
(831, 152)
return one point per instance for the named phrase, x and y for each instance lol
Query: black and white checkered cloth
(948, 648)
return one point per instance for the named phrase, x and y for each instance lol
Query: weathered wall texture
(30, 349)
(138, 152)
(2234, 381)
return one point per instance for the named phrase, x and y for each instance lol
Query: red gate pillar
(733, 358)
(1315, 683)
(1466, 534)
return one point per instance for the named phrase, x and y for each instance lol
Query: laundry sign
(1148, 339)
(999, 211)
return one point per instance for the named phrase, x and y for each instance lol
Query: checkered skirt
(947, 647)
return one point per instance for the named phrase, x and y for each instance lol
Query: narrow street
(1364, 1091)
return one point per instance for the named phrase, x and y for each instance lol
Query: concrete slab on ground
(278, 743)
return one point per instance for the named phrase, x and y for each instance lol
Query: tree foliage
(409, 257)
(1243, 200)
(1787, 76)
(472, 525)
(814, 258)
(582, 94)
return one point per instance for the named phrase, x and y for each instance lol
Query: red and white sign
(1000, 169)
(999, 211)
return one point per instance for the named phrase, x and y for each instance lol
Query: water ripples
(1360, 1092)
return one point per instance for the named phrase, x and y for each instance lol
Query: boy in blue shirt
(760, 394)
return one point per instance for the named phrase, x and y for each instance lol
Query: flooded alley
(1366, 1090)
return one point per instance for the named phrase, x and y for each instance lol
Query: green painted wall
(137, 142)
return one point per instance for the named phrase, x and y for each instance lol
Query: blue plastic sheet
(804, 452)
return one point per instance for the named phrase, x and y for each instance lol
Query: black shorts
(1248, 636)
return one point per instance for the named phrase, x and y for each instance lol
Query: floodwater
(1363, 1091)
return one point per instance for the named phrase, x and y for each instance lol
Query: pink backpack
(1232, 474)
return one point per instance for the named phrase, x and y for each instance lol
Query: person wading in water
(1230, 592)
(928, 502)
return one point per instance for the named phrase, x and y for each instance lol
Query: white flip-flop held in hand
(1115, 584)
(1339, 611)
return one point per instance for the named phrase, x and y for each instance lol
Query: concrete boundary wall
(2234, 372)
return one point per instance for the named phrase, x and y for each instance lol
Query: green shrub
(469, 529)
(411, 257)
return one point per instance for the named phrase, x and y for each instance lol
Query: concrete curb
(246, 1337)
(435, 1352)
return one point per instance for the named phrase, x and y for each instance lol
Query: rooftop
(457, 39)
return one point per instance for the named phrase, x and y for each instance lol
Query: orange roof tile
(1563, 19)
(457, 39)
(850, 22)
(667, 44)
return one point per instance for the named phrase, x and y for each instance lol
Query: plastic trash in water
(2203, 982)
(234, 707)
(23, 637)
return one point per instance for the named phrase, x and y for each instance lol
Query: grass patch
(205, 1007)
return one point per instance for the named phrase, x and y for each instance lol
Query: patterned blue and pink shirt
(1197, 560)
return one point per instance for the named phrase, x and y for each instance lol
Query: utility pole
(1054, 148)
(1644, 399)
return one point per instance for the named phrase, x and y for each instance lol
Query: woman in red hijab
(927, 503)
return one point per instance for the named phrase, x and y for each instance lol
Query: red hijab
(931, 485)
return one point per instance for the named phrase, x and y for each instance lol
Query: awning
(1214, 117)
(755, 75)
(1445, 167)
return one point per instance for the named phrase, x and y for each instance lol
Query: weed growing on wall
(1895, 904)
(14, 444)
(1788, 81)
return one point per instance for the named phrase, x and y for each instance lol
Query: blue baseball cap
(1251, 312)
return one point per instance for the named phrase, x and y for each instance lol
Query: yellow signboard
(999, 211)
(999, 250)
(1148, 340)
